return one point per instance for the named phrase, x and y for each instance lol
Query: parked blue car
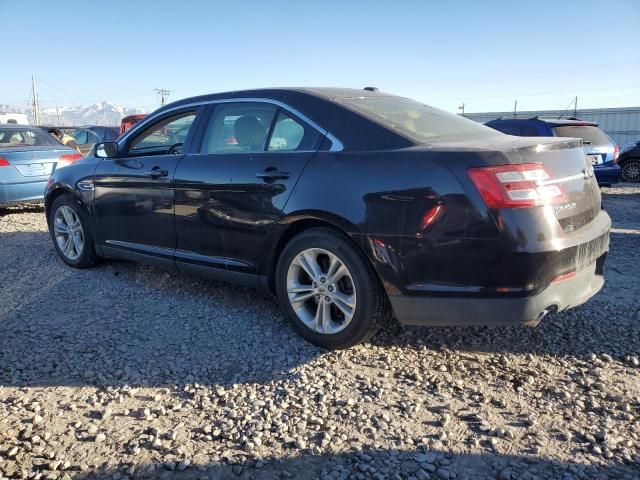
(28, 156)
(600, 149)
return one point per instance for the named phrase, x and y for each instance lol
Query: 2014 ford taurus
(348, 205)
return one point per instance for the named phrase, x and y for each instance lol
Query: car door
(134, 193)
(231, 192)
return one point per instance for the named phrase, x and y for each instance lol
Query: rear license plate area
(35, 169)
(595, 159)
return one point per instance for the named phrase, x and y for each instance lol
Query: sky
(486, 54)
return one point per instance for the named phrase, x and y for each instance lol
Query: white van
(11, 117)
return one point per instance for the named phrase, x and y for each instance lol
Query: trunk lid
(566, 162)
(564, 159)
(38, 162)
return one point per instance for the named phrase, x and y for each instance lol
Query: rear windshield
(25, 137)
(413, 119)
(589, 134)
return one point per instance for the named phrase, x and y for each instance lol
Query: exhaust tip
(541, 315)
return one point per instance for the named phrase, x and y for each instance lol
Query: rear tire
(329, 290)
(631, 170)
(70, 230)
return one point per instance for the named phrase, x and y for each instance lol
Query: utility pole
(36, 103)
(163, 94)
(58, 114)
(575, 107)
(461, 107)
(515, 108)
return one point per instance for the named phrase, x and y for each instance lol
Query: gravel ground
(125, 371)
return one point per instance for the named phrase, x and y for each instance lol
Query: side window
(238, 128)
(160, 137)
(80, 136)
(92, 137)
(290, 135)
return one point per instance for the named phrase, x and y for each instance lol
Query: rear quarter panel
(380, 199)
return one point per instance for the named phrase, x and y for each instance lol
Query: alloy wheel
(68, 231)
(631, 171)
(321, 291)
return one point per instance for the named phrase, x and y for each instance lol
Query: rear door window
(241, 127)
(589, 134)
(291, 135)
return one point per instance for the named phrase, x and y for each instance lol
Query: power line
(163, 94)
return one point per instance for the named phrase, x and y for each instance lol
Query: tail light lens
(616, 154)
(65, 160)
(516, 186)
(4, 162)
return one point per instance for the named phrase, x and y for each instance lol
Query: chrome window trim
(336, 145)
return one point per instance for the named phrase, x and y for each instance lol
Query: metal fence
(622, 124)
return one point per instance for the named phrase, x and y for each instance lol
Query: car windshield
(589, 134)
(25, 137)
(415, 120)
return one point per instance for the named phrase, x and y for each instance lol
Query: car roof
(320, 104)
(552, 121)
(326, 92)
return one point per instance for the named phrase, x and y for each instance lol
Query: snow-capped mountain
(103, 113)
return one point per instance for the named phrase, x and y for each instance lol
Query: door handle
(273, 173)
(156, 172)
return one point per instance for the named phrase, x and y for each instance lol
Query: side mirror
(106, 150)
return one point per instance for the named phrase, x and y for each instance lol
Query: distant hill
(103, 113)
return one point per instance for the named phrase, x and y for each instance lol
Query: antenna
(36, 102)
(163, 94)
(573, 102)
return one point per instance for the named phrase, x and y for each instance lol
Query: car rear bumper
(450, 311)
(13, 193)
(607, 174)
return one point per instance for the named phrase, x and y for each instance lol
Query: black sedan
(348, 205)
(630, 162)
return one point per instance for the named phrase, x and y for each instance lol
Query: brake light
(516, 186)
(4, 162)
(616, 154)
(68, 159)
(566, 276)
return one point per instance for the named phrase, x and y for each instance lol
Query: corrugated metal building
(622, 124)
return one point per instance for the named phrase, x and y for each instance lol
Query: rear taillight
(68, 159)
(4, 162)
(566, 276)
(516, 186)
(616, 154)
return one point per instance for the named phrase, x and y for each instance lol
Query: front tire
(329, 290)
(631, 170)
(70, 231)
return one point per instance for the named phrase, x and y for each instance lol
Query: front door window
(164, 137)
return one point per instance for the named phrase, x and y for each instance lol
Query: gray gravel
(125, 371)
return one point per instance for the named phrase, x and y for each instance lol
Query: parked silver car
(28, 155)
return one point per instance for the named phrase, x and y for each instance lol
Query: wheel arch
(628, 159)
(57, 192)
(296, 224)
